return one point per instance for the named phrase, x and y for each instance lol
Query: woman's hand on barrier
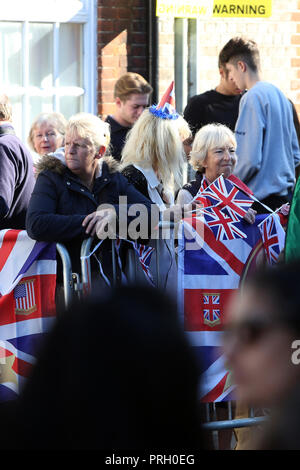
(90, 223)
(97, 222)
(106, 225)
(250, 216)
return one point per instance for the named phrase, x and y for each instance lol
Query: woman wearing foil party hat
(152, 160)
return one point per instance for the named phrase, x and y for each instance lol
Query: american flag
(273, 237)
(210, 272)
(27, 305)
(24, 295)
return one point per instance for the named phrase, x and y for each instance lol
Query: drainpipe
(153, 72)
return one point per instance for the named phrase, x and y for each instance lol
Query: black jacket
(118, 135)
(60, 202)
(194, 185)
(16, 179)
(136, 177)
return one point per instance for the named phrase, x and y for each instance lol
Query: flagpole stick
(262, 204)
(252, 197)
(274, 212)
(256, 200)
(237, 186)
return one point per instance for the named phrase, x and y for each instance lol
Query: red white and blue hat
(165, 109)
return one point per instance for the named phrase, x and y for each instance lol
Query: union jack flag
(273, 237)
(211, 311)
(204, 184)
(167, 102)
(145, 253)
(27, 305)
(209, 273)
(223, 223)
(202, 201)
(223, 194)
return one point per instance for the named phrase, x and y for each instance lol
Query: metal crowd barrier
(234, 423)
(132, 268)
(72, 282)
(67, 273)
(216, 426)
(82, 285)
(86, 265)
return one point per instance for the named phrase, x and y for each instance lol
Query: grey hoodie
(267, 145)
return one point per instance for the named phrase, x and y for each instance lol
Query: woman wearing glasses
(47, 133)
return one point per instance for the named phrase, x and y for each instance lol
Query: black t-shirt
(117, 137)
(212, 107)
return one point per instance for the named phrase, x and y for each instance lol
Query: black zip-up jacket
(60, 202)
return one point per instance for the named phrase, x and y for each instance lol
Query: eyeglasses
(49, 135)
(248, 332)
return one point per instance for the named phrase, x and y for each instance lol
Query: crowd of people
(140, 376)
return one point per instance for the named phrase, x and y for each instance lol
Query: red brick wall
(278, 38)
(122, 45)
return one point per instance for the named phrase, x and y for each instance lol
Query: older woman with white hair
(64, 206)
(47, 133)
(213, 154)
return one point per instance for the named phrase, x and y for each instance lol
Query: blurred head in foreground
(116, 373)
(263, 327)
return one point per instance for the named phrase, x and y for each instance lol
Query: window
(48, 58)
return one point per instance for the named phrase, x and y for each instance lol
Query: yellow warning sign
(214, 8)
(184, 9)
(242, 8)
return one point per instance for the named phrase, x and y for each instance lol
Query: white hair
(89, 126)
(57, 120)
(209, 137)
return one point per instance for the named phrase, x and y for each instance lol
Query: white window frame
(57, 11)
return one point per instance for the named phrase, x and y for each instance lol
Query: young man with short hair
(267, 144)
(218, 105)
(131, 94)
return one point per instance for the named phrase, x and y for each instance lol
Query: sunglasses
(248, 332)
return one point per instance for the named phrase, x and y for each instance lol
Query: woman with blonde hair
(152, 160)
(67, 204)
(153, 157)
